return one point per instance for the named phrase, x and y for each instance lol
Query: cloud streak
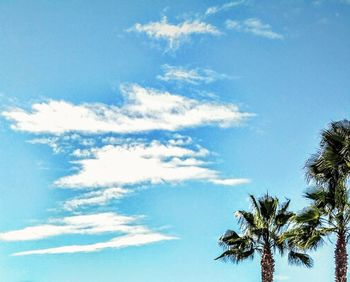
(91, 224)
(144, 109)
(116, 243)
(192, 76)
(96, 198)
(216, 9)
(174, 34)
(254, 26)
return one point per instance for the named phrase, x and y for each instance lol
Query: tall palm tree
(329, 212)
(262, 228)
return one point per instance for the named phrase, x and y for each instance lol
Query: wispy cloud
(92, 224)
(116, 243)
(143, 162)
(144, 109)
(64, 143)
(52, 142)
(192, 76)
(216, 9)
(96, 198)
(254, 26)
(230, 181)
(174, 34)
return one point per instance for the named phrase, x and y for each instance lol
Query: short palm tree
(329, 212)
(262, 228)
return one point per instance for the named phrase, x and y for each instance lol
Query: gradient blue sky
(132, 130)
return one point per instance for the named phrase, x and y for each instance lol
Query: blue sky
(131, 131)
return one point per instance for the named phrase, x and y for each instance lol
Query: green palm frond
(297, 258)
(306, 237)
(255, 205)
(284, 206)
(310, 215)
(331, 162)
(247, 220)
(236, 255)
(237, 248)
(268, 207)
(283, 218)
(229, 238)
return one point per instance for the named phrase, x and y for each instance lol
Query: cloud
(230, 182)
(216, 9)
(64, 143)
(96, 198)
(141, 162)
(91, 224)
(116, 243)
(192, 76)
(52, 142)
(174, 34)
(144, 109)
(254, 26)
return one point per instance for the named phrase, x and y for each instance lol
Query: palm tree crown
(262, 228)
(331, 164)
(329, 212)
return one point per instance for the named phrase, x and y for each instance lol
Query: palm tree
(329, 212)
(262, 228)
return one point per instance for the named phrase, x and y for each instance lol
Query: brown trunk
(267, 265)
(341, 258)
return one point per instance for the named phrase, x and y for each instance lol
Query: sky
(131, 131)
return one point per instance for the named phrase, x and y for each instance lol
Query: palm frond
(255, 205)
(297, 258)
(246, 219)
(268, 206)
(310, 215)
(236, 255)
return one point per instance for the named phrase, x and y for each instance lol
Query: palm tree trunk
(267, 264)
(341, 258)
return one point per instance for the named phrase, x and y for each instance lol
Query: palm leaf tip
(236, 255)
(308, 215)
(297, 258)
(228, 238)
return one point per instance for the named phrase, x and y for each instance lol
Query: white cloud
(144, 109)
(115, 243)
(91, 224)
(180, 140)
(224, 7)
(52, 142)
(174, 34)
(81, 153)
(94, 198)
(230, 181)
(64, 143)
(254, 26)
(137, 163)
(193, 76)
